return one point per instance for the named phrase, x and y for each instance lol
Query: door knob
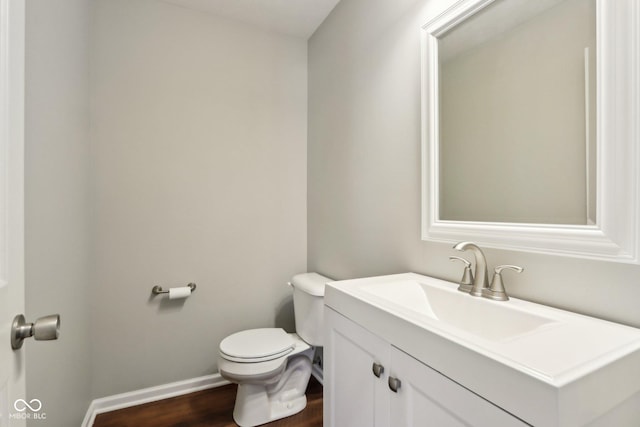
(45, 328)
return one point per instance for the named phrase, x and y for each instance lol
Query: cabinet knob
(378, 369)
(394, 384)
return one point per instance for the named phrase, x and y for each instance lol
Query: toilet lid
(255, 344)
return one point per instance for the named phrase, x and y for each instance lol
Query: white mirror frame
(616, 234)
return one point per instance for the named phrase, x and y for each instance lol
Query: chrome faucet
(480, 277)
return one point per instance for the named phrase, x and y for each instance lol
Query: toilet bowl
(270, 386)
(272, 367)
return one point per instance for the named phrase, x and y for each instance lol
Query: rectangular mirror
(517, 80)
(529, 131)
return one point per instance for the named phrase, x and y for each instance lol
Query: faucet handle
(498, 269)
(496, 291)
(467, 277)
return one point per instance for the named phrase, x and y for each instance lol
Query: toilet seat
(257, 369)
(241, 372)
(257, 345)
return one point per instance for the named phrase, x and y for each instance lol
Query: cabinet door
(353, 395)
(427, 398)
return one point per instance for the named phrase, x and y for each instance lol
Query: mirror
(524, 145)
(515, 119)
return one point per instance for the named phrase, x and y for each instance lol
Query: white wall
(198, 129)
(56, 205)
(364, 168)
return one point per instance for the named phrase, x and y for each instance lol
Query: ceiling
(299, 18)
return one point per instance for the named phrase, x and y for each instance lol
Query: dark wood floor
(210, 408)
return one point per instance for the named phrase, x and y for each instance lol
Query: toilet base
(258, 404)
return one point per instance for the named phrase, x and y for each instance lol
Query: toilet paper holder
(157, 290)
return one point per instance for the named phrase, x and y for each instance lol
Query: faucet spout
(480, 278)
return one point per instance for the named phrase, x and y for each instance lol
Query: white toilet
(272, 367)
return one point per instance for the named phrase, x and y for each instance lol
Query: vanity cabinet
(353, 395)
(370, 383)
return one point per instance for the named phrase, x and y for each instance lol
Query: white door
(355, 374)
(12, 369)
(424, 397)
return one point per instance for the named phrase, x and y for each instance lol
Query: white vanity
(410, 350)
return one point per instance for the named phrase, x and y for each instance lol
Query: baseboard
(151, 394)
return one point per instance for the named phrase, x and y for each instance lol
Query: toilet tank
(308, 306)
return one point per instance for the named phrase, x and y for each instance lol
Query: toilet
(272, 367)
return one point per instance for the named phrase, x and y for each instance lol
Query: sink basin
(551, 367)
(488, 319)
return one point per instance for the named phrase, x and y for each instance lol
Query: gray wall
(56, 205)
(198, 132)
(364, 168)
